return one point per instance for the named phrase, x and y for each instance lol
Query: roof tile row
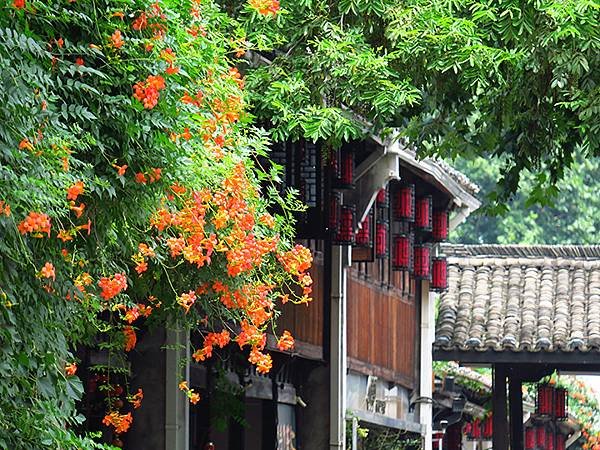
(521, 298)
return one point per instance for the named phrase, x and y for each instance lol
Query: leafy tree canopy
(128, 184)
(516, 79)
(530, 217)
(129, 195)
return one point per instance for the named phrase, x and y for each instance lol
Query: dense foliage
(129, 194)
(511, 78)
(475, 381)
(531, 217)
(129, 188)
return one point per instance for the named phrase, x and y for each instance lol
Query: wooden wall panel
(305, 322)
(381, 330)
(381, 322)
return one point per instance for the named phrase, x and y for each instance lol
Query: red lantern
(334, 211)
(343, 165)
(561, 442)
(452, 438)
(468, 430)
(381, 245)
(347, 168)
(402, 257)
(345, 230)
(545, 397)
(404, 203)
(382, 199)
(560, 404)
(476, 429)
(439, 274)
(422, 269)
(540, 436)
(530, 438)
(488, 427)
(423, 213)
(440, 225)
(364, 237)
(549, 440)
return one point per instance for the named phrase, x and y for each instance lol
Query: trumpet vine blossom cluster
(152, 207)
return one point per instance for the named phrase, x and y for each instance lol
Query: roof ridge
(522, 251)
(463, 180)
(458, 176)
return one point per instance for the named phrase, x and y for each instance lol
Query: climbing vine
(130, 194)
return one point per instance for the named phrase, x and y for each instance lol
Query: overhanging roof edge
(464, 200)
(507, 356)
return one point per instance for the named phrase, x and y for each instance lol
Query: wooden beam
(516, 413)
(584, 361)
(388, 422)
(382, 372)
(500, 420)
(531, 372)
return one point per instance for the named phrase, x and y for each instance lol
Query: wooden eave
(560, 360)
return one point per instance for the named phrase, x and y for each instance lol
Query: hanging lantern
(382, 199)
(364, 236)
(437, 439)
(334, 211)
(452, 438)
(439, 274)
(402, 256)
(343, 166)
(545, 397)
(345, 229)
(560, 404)
(381, 232)
(561, 442)
(404, 203)
(549, 439)
(476, 429)
(422, 267)
(423, 210)
(488, 427)
(440, 225)
(347, 169)
(530, 438)
(468, 430)
(540, 436)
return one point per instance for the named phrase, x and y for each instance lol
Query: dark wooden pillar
(270, 419)
(500, 421)
(236, 435)
(515, 394)
(148, 364)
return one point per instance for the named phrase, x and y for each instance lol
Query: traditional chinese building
(524, 311)
(375, 217)
(463, 420)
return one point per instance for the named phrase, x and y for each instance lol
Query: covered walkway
(526, 311)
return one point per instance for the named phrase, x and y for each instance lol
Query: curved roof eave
(461, 191)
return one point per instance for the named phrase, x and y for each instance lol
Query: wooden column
(270, 417)
(500, 435)
(515, 395)
(340, 261)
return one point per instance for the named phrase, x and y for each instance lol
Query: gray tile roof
(460, 177)
(523, 298)
(445, 167)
